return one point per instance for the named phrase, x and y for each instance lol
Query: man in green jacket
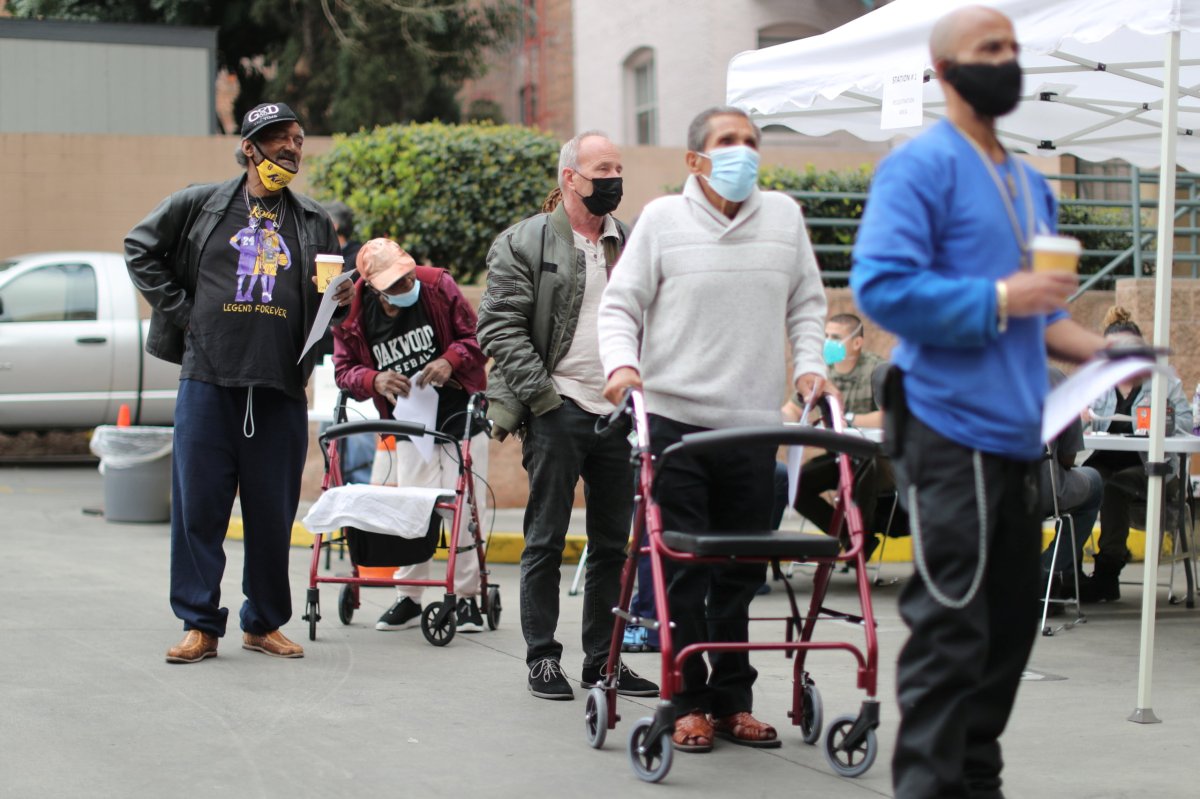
(538, 322)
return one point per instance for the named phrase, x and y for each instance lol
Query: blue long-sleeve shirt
(934, 240)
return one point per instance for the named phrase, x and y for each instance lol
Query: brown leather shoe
(195, 646)
(273, 643)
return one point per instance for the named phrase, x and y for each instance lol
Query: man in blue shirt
(942, 261)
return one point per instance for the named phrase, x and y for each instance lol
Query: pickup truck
(72, 334)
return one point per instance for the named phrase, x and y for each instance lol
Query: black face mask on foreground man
(993, 90)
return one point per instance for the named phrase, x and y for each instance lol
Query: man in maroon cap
(228, 270)
(410, 325)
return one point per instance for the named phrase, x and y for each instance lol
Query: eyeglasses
(401, 286)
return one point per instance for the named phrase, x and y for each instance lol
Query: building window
(527, 97)
(642, 94)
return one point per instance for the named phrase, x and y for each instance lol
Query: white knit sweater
(701, 304)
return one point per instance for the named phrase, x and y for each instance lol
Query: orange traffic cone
(123, 416)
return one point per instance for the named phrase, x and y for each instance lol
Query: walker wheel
(650, 760)
(811, 713)
(442, 634)
(312, 613)
(595, 717)
(347, 602)
(853, 762)
(493, 607)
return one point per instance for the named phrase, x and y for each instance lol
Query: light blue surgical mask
(835, 351)
(408, 298)
(734, 171)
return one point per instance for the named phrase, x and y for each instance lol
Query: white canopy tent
(1103, 79)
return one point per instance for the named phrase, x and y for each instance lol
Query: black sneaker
(547, 681)
(400, 616)
(469, 618)
(629, 683)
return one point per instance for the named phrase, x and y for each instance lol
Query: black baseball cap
(264, 114)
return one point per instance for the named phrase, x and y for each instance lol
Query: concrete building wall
(692, 44)
(77, 77)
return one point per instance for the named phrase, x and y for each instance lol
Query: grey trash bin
(136, 464)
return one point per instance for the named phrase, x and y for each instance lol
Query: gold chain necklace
(275, 214)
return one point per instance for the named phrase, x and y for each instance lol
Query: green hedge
(443, 191)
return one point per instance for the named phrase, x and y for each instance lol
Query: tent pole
(1164, 262)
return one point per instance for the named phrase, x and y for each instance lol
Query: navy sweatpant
(213, 459)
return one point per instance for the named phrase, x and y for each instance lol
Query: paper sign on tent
(902, 104)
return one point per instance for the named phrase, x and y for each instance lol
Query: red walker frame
(850, 742)
(438, 619)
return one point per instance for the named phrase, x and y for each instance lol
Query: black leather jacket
(163, 256)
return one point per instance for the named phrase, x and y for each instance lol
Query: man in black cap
(228, 270)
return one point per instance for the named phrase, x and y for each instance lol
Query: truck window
(57, 293)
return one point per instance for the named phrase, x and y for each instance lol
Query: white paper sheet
(1079, 390)
(325, 312)
(903, 99)
(795, 456)
(420, 406)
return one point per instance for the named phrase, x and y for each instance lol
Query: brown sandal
(742, 728)
(693, 733)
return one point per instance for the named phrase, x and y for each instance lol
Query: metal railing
(1129, 235)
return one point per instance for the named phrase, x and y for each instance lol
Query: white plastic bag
(122, 447)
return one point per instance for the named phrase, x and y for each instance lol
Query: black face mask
(992, 90)
(605, 196)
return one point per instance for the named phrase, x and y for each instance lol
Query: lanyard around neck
(1006, 196)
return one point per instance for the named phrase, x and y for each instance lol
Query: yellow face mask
(272, 175)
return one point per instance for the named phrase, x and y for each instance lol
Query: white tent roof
(1093, 82)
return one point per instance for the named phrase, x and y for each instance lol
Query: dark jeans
(959, 671)
(560, 447)
(726, 491)
(212, 461)
(820, 475)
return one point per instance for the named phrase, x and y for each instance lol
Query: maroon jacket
(453, 321)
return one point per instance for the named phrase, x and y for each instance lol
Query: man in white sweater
(696, 313)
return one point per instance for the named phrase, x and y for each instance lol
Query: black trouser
(959, 671)
(1125, 484)
(728, 491)
(214, 460)
(820, 475)
(560, 447)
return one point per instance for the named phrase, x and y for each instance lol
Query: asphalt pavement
(88, 707)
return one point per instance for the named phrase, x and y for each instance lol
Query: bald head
(959, 28)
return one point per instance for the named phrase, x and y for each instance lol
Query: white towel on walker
(392, 510)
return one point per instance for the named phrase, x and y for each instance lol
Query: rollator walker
(850, 743)
(438, 619)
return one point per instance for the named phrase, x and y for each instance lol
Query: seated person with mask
(1124, 473)
(850, 372)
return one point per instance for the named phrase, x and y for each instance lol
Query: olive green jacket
(529, 313)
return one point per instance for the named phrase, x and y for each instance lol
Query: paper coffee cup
(328, 267)
(1056, 254)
